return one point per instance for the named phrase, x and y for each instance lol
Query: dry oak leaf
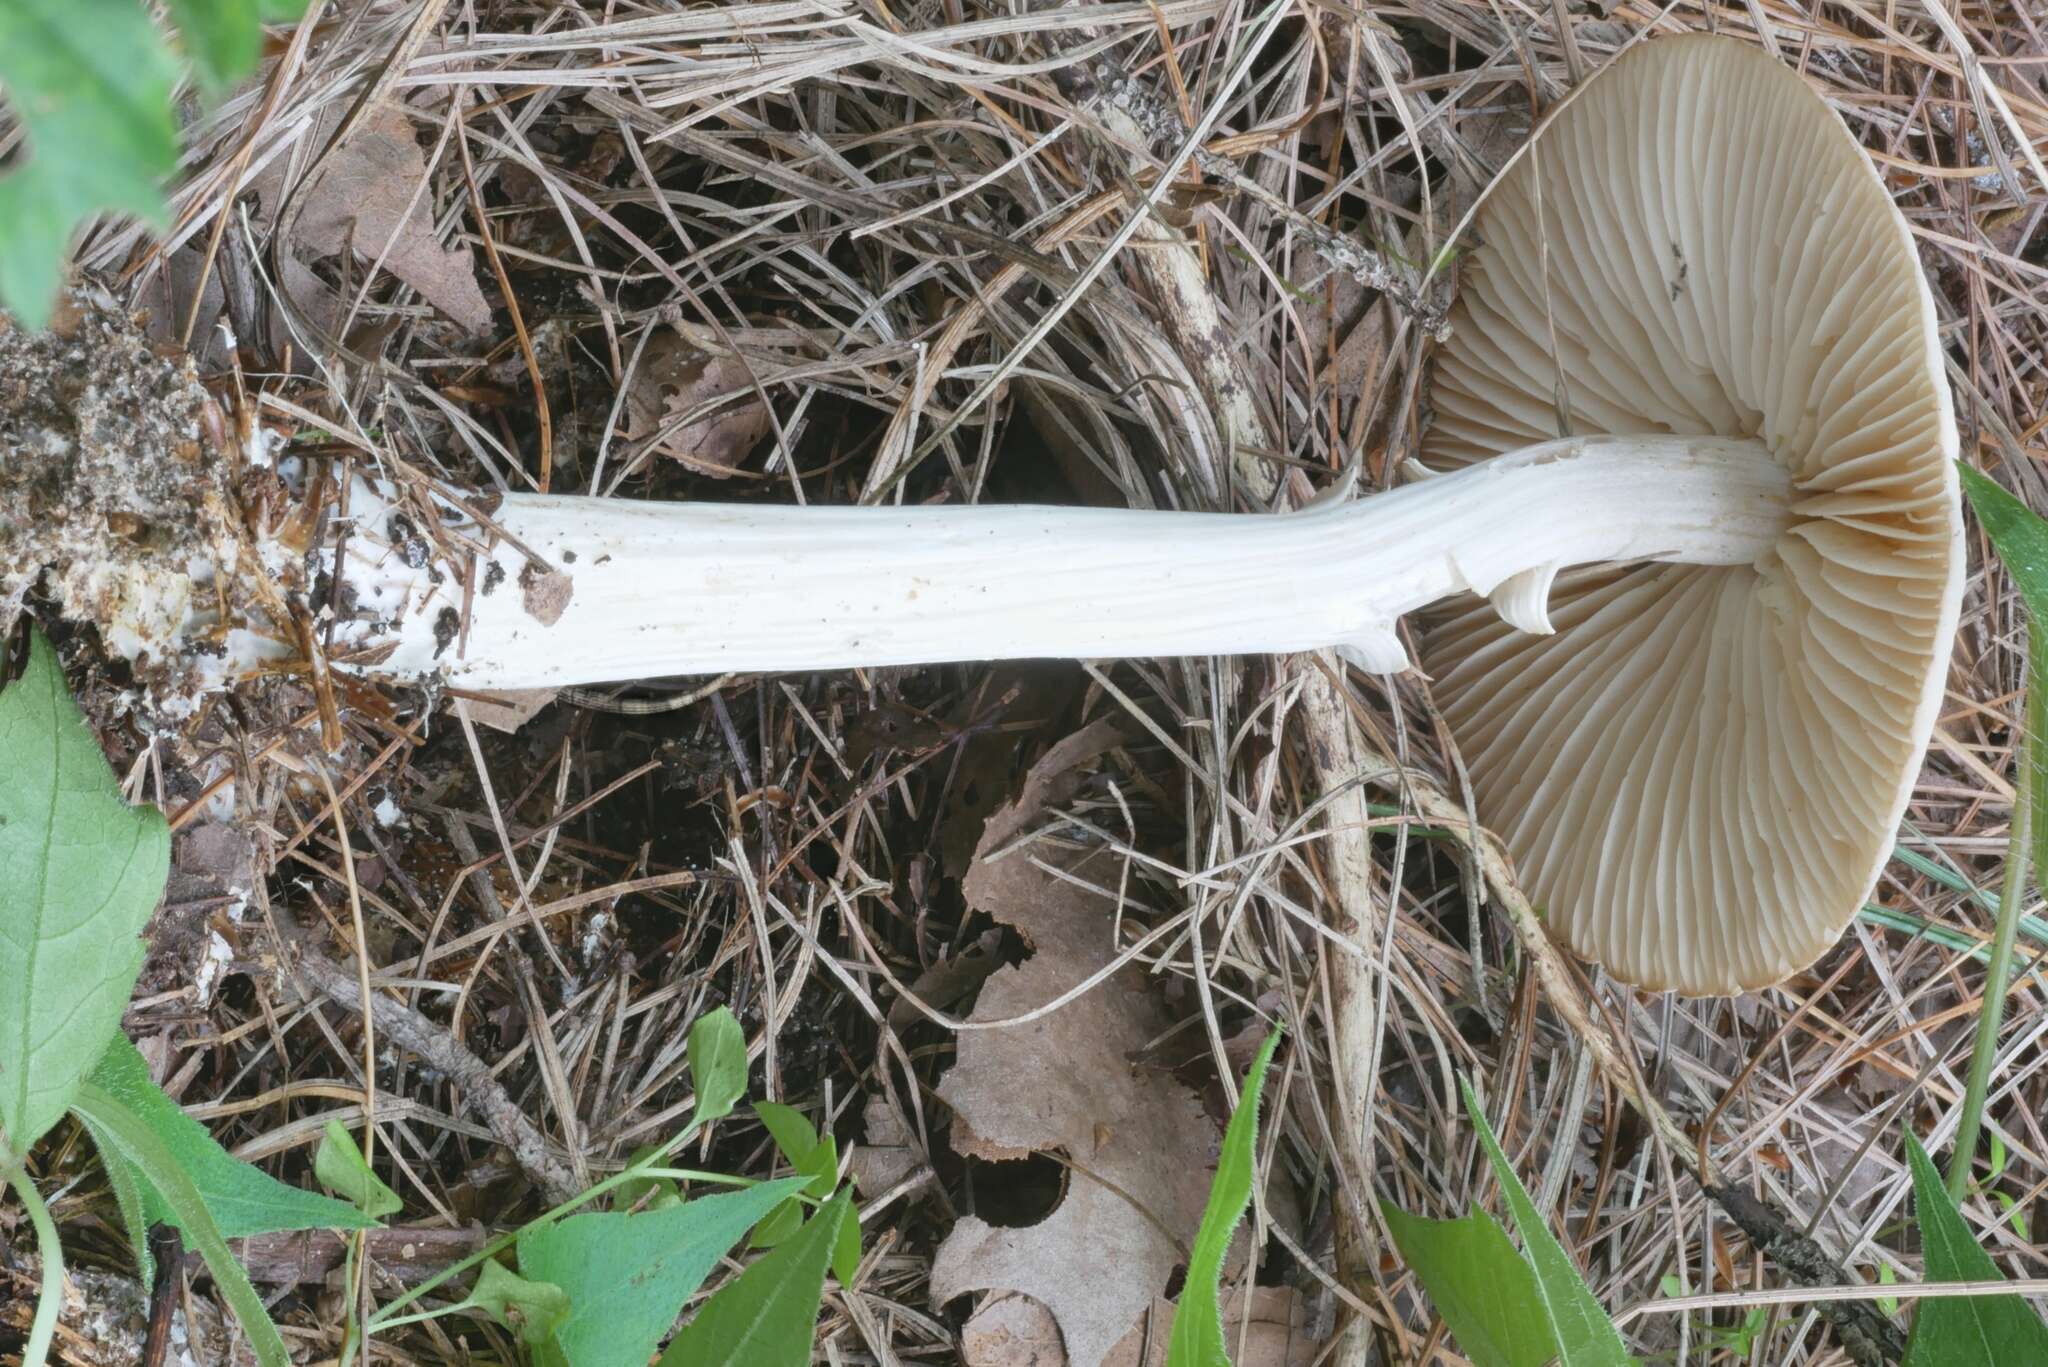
(674, 379)
(367, 199)
(1138, 1146)
(1279, 1333)
(1009, 1330)
(888, 1154)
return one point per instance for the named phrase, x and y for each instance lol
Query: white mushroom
(1747, 539)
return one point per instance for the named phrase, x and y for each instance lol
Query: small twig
(405, 1254)
(472, 1078)
(1866, 1333)
(168, 1248)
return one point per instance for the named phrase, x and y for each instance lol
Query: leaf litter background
(773, 251)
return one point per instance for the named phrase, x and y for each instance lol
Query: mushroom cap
(1699, 775)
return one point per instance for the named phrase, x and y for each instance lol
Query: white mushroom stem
(655, 589)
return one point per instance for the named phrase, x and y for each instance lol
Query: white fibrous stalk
(533, 591)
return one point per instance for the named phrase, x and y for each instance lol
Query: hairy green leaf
(80, 873)
(1963, 1331)
(340, 1166)
(718, 1064)
(627, 1276)
(243, 1199)
(125, 1132)
(766, 1316)
(1485, 1291)
(1584, 1335)
(2020, 537)
(126, 1181)
(1197, 1337)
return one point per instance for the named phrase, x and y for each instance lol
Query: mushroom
(1694, 527)
(1700, 771)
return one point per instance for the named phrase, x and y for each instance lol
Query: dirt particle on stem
(546, 593)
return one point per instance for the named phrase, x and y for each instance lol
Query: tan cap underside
(1700, 773)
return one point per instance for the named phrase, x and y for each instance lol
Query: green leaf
(80, 873)
(766, 1316)
(1485, 1291)
(125, 1132)
(785, 1220)
(90, 81)
(814, 1158)
(627, 1276)
(126, 1181)
(1197, 1337)
(718, 1064)
(1963, 1331)
(221, 37)
(534, 1310)
(2018, 534)
(2020, 537)
(790, 1128)
(243, 1199)
(660, 1192)
(846, 1253)
(821, 1165)
(1584, 1335)
(340, 1166)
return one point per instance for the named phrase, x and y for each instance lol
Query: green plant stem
(1998, 973)
(50, 1302)
(350, 1340)
(720, 1179)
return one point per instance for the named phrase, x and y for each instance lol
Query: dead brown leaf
(674, 378)
(1037, 691)
(1137, 1144)
(364, 200)
(1360, 321)
(952, 979)
(1278, 1334)
(1011, 1330)
(169, 301)
(888, 1154)
(509, 709)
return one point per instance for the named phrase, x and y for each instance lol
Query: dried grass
(895, 216)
